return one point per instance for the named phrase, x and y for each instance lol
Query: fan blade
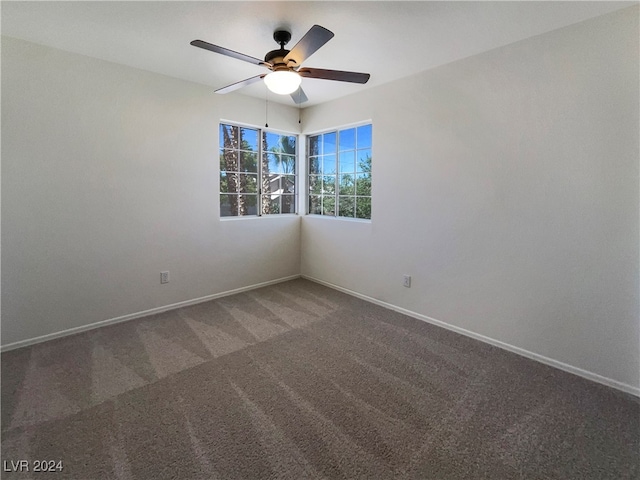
(299, 96)
(315, 38)
(339, 75)
(240, 84)
(227, 52)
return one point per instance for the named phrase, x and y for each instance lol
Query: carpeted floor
(299, 381)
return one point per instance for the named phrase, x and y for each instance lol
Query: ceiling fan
(286, 75)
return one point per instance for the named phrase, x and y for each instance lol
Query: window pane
(291, 140)
(277, 143)
(248, 162)
(347, 185)
(273, 203)
(271, 142)
(288, 163)
(228, 136)
(288, 144)
(250, 203)
(363, 207)
(329, 205)
(329, 143)
(364, 161)
(363, 184)
(329, 164)
(249, 139)
(314, 165)
(364, 136)
(346, 206)
(223, 165)
(248, 183)
(279, 163)
(288, 204)
(272, 163)
(272, 183)
(224, 184)
(315, 184)
(228, 183)
(288, 184)
(329, 184)
(228, 205)
(314, 146)
(347, 139)
(347, 162)
(229, 161)
(315, 204)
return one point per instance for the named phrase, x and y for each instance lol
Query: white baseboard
(132, 316)
(491, 341)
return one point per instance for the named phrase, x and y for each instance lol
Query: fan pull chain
(266, 109)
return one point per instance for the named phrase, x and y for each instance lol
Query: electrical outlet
(406, 281)
(164, 277)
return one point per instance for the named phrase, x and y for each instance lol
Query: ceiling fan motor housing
(275, 57)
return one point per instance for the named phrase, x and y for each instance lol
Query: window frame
(260, 174)
(336, 186)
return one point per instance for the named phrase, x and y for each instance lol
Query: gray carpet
(298, 381)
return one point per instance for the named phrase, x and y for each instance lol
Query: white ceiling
(388, 39)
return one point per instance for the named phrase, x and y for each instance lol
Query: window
(257, 172)
(340, 173)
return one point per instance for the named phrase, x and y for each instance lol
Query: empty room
(308, 240)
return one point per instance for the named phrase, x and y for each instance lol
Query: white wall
(507, 185)
(109, 175)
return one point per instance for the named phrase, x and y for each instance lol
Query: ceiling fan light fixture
(283, 82)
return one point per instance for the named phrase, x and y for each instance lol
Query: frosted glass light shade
(283, 83)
